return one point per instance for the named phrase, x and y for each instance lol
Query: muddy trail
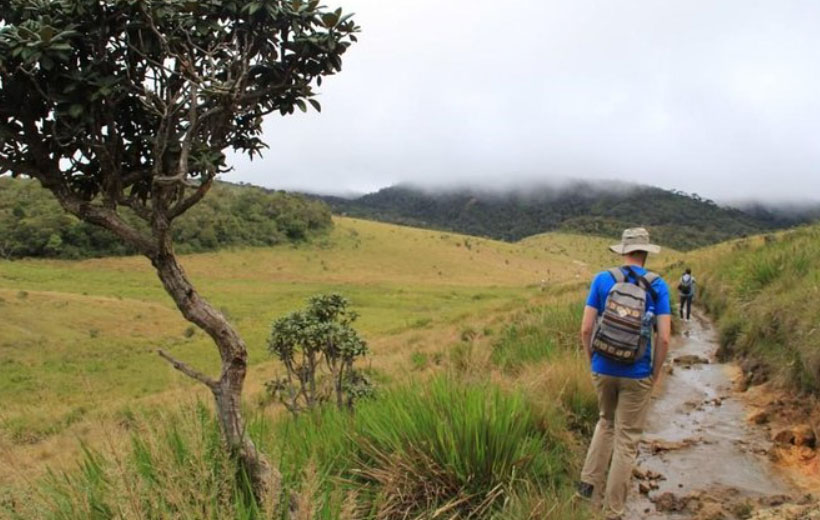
(701, 457)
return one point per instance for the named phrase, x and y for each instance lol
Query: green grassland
(78, 338)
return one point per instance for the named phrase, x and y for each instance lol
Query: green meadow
(79, 367)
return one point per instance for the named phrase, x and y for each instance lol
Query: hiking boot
(583, 491)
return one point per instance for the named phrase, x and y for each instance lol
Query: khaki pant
(623, 403)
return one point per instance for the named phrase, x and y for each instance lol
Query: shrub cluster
(33, 225)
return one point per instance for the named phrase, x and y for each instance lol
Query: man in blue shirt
(623, 389)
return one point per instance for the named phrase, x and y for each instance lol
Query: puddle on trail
(697, 437)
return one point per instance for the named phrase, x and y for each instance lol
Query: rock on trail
(702, 458)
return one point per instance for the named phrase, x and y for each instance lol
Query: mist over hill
(676, 219)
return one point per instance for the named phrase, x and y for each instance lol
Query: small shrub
(189, 331)
(93, 333)
(419, 360)
(306, 341)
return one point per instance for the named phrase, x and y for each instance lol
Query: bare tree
(128, 106)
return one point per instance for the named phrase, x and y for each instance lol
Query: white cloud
(718, 98)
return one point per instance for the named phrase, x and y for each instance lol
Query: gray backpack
(624, 329)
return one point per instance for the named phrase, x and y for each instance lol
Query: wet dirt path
(700, 457)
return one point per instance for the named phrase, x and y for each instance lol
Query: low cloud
(716, 98)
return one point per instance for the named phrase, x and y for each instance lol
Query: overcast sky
(717, 97)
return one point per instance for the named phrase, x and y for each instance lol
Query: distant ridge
(676, 219)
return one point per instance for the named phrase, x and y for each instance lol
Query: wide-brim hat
(635, 239)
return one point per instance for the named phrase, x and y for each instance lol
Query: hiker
(686, 291)
(625, 306)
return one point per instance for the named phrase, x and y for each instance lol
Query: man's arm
(587, 326)
(661, 344)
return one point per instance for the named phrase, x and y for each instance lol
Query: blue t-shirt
(598, 293)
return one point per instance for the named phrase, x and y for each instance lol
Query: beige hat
(635, 239)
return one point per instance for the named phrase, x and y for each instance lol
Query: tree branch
(186, 204)
(188, 370)
(101, 216)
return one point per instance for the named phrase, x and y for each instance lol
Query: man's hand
(587, 326)
(661, 344)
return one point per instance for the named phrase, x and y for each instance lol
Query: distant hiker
(624, 305)
(686, 290)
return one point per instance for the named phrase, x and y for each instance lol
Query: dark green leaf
(75, 110)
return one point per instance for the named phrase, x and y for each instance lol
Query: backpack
(685, 285)
(624, 329)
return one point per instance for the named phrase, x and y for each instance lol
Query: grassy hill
(78, 338)
(676, 219)
(100, 320)
(764, 294)
(32, 224)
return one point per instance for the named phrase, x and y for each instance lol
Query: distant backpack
(624, 329)
(685, 285)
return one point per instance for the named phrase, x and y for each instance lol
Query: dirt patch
(792, 422)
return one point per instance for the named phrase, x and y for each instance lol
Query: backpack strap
(618, 274)
(647, 281)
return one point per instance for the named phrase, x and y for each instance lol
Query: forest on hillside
(32, 224)
(676, 219)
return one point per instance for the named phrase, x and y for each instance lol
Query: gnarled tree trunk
(227, 390)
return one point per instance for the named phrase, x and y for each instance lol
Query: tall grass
(537, 334)
(450, 447)
(174, 467)
(447, 447)
(764, 294)
(540, 348)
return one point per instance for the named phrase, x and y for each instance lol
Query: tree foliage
(32, 223)
(125, 109)
(318, 348)
(131, 104)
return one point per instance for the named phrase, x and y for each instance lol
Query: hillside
(677, 220)
(75, 331)
(763, 292)
(32, 224)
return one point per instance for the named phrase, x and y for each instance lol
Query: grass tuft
(448, 446)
